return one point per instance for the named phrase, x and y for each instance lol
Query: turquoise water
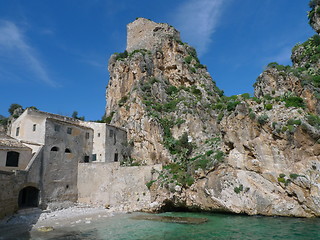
(219, 226)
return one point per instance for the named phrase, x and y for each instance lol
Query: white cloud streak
(12, 42)
(281, 56)
(197, 21)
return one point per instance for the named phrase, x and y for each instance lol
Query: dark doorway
(28, 197)
(116, 157)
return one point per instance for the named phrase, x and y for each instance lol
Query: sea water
(218, 226)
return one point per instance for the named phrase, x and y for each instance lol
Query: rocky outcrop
(239, 154)
(277, 83)
(314, 15)
(160, 86)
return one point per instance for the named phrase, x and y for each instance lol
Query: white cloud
(282, 56)
(12, 43)
(197, 21)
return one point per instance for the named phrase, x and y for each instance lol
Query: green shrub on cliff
(123, 100)
(293, 101)
(263, 119)
(121, 56)
(268, 106)
(314, 3)
(188, 59)
(314, 120)
(238, 189)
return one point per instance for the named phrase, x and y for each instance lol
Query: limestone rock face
(160, 86)
(267, 171)
(273, 82)
(314, 17)
(299, 80)
(238, 154)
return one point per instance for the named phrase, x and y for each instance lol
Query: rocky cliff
(242, 154)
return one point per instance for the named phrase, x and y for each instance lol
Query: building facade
(42, 160)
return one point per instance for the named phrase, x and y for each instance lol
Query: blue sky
(54, 54)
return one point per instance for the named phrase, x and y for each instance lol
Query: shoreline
(35, 220)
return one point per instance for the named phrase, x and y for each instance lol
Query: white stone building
(39, 160)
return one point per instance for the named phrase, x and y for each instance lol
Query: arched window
(67, 150)
(54, 149)
(12, 159)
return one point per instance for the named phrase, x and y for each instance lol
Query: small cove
(218, 226)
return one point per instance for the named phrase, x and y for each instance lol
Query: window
(54, 149)
(87, 135)
(12, 159)
(69, 130)
(67, 150)
(111, 133)
(56, 128)
(86, 159)
(98, 134)
(34, 127)
(17, 131)
(94, 157)
(116, 157)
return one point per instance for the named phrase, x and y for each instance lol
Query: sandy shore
(37, 220)
(72, 216)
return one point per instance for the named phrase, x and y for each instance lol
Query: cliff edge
(242, 154)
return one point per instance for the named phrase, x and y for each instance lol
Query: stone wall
(8, 194)
(123, 188)
(61, 154)
(116, 144)
(31, 126)
(146, 34)
(107, 142)
(12, 182)
(99, 140)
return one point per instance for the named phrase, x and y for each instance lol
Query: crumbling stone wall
(146, 34)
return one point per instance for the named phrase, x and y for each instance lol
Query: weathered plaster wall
(116, 143)
(123, 188)
(60, 168)
(25, 156)
(26, 123)
(99, 139)
(12, 182)
(8, 200)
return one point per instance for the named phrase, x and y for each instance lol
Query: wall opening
(67, 150)
(17, 131)
(94, 157)
(34, 127)
(116, 157)
(28, 197)
(54, 149)
(12, 159)
(69, 130)
(87, 135)
(56, 128)
(86, 159)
